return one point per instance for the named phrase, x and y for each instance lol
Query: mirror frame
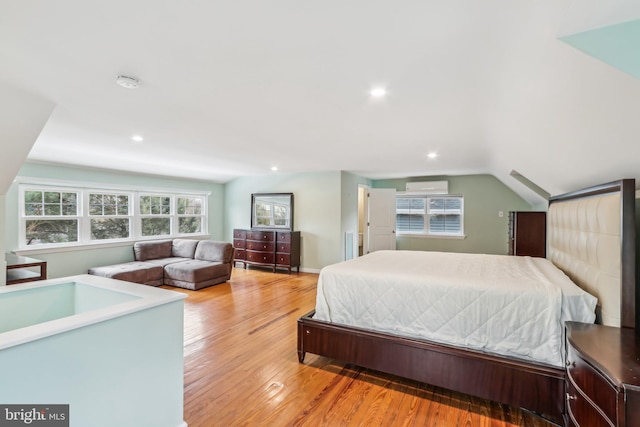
(254, 226)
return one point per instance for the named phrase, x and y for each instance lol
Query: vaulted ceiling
(233, 88)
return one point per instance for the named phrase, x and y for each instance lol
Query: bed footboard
(535, 387)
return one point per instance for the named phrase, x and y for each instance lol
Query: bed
(591, 241)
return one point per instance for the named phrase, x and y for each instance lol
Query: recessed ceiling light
(274, 168)
(137, 138)
(128, 82)
(378, 92)
(432, 155)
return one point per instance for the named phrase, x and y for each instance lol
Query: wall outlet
(500, 214)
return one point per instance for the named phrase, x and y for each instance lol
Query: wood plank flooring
(241, 368)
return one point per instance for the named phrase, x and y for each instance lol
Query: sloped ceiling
(233, 88)
(22, 117)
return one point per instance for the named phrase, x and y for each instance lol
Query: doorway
(376, 219)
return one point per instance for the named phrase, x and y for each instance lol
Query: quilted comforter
(514, 306)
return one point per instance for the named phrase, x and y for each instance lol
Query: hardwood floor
(241, 368)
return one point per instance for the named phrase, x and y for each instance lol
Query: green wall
(325, 208)
(76, 261)
(617, 45)
(484, 197)
(317, 211)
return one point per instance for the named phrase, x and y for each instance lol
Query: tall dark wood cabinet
(603, 376)
(266, 248)
(528, 233)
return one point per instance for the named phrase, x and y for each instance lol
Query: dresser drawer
(239, 254)
(284, 237)
(265, 236)
(283, 259)
(283, 247)
(260, 257)
(581, 412)
(592, 384)
(239, 243)
(260, 246)
(240, 234)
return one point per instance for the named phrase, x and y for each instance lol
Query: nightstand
(603, 376)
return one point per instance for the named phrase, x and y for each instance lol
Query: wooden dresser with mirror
(271, 241)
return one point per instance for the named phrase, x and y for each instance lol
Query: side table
(18, 269)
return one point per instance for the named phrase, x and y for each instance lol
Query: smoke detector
(128, 82)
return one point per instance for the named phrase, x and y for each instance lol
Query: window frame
(426, 229)
(143, 216)
(23, 217)
(84, 217)
(179, 215)
(87, 206)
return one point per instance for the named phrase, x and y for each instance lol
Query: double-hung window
(109, 216)
(60, 215)
(430, 215)
(50, 216)
(169, 214)
(190, 214)
(155, 215)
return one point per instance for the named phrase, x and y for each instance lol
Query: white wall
(22, 117)
(585, 15)
(317, 211)
(3, 264)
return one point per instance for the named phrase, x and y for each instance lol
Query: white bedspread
(508, 305)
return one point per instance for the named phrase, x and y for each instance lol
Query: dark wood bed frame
(532, 386)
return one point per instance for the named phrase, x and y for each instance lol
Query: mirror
(272, 211)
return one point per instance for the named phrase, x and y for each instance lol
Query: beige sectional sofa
(189, 264)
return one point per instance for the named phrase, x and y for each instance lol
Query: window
(430, 215)
(50, 216)
(190, 215)
(164, 215)
(109, 216)
(155, 215)
(53, 216)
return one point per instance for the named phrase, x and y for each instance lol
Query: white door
(381, 219)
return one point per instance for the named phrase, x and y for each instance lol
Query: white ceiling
(232, 88)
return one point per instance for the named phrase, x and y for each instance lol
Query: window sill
(431, 236)
(36, 250)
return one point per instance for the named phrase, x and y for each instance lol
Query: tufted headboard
(591, 237)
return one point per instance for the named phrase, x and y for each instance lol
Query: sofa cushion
(137, 272)
(164, 261)
(194, 286)
(144, 251)
(209, 250)
(195, 271)
(184, 248)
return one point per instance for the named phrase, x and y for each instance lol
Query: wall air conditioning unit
(428, 187)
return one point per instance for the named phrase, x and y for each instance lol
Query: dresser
(603, 376)
(528, 233)
(267, 248)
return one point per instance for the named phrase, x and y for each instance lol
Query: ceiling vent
(128, 82)
(428, 187)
